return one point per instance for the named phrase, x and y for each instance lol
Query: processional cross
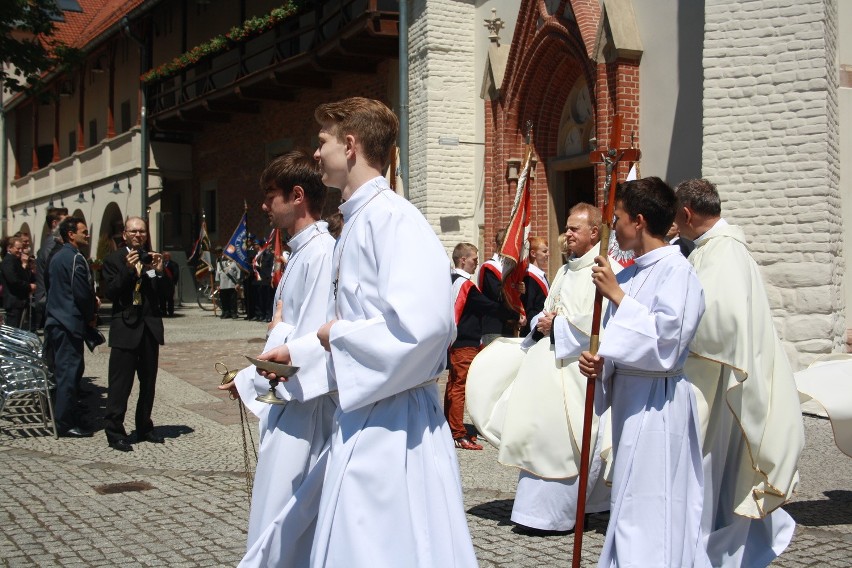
(610, 157)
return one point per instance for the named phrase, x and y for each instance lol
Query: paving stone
(196, 514)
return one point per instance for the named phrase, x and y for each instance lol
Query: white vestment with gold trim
(751, 422)
(528, 400)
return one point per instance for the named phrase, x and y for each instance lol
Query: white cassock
(531, 406)
(751, 422)
(657, 483)
(392, 494)
(294, 437)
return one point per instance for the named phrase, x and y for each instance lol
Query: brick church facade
(552, 71)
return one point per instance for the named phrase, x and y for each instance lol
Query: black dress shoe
(121, 445)
(75, 433)
(152, 437)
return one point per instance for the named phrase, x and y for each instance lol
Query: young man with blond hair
(392, 491)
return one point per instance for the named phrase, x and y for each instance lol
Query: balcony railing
(334, 36)
(81, 169)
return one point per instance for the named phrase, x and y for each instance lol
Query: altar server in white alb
(392, 493)
(655, 307)
(531, 406)
(751, 420)
(294, 437)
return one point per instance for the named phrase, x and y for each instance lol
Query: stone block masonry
(771, 145)
(442, 93)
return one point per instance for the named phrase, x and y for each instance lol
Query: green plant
(217, 44)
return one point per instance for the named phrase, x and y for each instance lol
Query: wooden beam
(177, 125)
(263, 92)
(312, 80)
(201, 115)
(232, 105)
(340, 64)
(372, 48)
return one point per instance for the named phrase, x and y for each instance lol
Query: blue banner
(236, 249)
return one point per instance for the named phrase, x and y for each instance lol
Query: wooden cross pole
(611, 157)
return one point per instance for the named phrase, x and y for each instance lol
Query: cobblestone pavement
(78, 503)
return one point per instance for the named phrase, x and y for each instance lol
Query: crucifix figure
(611, 157)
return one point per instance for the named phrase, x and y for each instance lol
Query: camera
(145, 257)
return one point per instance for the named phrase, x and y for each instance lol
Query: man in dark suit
(171, 274)
(132, 280)
(71, 307)
(50, 245)
(17, 285)
(248, 278)
(264, 292)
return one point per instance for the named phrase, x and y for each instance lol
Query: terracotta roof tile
(80, 28)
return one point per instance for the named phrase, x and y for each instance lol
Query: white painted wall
(670, 87)
(507, 10)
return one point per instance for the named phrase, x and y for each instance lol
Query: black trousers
(268, 295)
(68, 356)
(228, 299)
(15, 317)
(123, 365)
(251, 298)
(37, 315)
(264, 296)
(167, 304)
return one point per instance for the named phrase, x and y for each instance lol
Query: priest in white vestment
(655, 307)
(751, 422)
(540, 405)
(392, 492)
(293, 437)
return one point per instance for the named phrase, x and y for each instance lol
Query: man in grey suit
(71, 306)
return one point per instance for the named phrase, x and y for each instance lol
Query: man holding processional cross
(655, 307)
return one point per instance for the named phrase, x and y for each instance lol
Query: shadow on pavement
(92, 404)
(170, 431)
(500, 510)
(837, 510)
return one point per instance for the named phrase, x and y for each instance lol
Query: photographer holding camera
(133, 278)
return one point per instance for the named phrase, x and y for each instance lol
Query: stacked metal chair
(25, 379)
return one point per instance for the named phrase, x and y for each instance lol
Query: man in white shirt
(392, 492)
(228, 277)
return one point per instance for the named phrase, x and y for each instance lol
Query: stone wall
(442, 101)
(771, 144)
